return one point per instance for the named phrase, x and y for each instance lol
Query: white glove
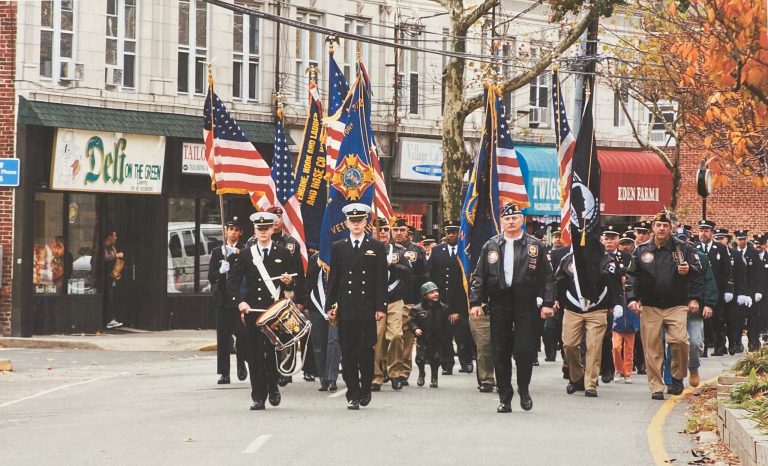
(728, 297)
(758, 297)
(741, 300)
(749, 302)
(539, 301)
(618, 311)
(224, 267)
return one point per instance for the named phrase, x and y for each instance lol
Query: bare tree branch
(471, 18)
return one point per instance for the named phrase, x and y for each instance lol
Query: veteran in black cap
(227, 318)
(627, 242)
(642, 231)
(251, 292)
(512, 272)
(357, 298)
(720, 262)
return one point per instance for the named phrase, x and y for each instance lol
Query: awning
(634, 182)
(130, 121)
(539, 167)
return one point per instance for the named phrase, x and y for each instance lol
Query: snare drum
(283, 324)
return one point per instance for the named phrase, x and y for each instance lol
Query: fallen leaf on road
(189, 439)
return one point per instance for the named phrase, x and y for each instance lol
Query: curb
(208, 347)
(12, 342)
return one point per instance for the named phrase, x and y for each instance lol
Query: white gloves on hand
(618, 311)
(758, 297)
(728, 297)
(539, 301)
(224, 267)
(743, 300)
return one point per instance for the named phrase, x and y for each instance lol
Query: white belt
(319, 300)
(393, 285)
(576, 302)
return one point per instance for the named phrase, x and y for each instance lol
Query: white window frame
(303, 61)
(121, 39)
(192, 50)
(508, 54)
(538, 116)
(245, 58)
(409, 70)
(658, 130)
(619, 118)
(357, 26)
(57, 60)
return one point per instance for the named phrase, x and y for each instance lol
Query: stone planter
(726, 382)
(741, 436)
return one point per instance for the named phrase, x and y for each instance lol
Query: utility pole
(396, 105)
(585, 65)
(277, 52)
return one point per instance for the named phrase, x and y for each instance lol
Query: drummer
(252, 292)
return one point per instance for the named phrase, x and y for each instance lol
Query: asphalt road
(104, 407)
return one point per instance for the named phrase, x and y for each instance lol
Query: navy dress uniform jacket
(446, 272)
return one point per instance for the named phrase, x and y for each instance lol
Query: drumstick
(280, 276)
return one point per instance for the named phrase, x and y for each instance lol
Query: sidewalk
(123, 339)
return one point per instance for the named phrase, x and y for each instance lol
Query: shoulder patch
(291, 247)
(533, 250)
(410, 255)
(493, 257)
(647, 257)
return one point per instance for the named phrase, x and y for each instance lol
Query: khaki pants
(481, 333)
(408, 339)
(389, 340)
(673, 321)
(574, 324)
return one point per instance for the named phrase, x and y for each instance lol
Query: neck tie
(453, 251)
(264, 253)
(357, 245)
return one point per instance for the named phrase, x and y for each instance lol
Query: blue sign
(542, 181)
(9, 172)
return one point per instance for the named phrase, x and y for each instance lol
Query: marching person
(429, 322)
(610, 240)
(389, 330)
(250, 289)
(720, 262)
(660, 286)
(227, 319)
(357, 291)
(762, 246)
(317, 279)
(627, 242)
(749, 291)
(512, 271)
(706, 292)
(642, 236)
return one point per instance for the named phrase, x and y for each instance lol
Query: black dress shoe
(704, 354)
(433, 382)
(242, 372)
(525, 401)
(397, 384)
(719, 351)
(536, 362)
(485, 388)
(309, 377)
(641, 370)
(739, 348)
(606, 378)
(375, 387)
(731, 350)
(420, 380)
(504, 408)
(353, 404)
(332, 386)
(404, 382)
(591, 393)
(676, 388)
(447, 372)
(469, 368)
(275, 398)
(365, 399)
(223, 380)
(574, 387)
(323, 387)
(283, 381)
(657, 396)
(257, 406)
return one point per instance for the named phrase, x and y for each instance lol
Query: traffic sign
(9, 172)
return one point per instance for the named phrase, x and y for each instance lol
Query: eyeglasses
(383, 228)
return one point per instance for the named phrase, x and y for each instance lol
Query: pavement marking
(46, 392)
(257, 443)
(338, 393)
(655, 431)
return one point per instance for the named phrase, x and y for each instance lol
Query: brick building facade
(737, 205)
(7, 142)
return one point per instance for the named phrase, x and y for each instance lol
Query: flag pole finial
(330, 40)
(313, 71)
(280, 103)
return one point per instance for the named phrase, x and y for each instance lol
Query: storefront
(92, 170)
(415, 193)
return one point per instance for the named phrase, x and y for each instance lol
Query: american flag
(565, 145)
(285, 184)
(511, 183)
(338, 112)
(235, 164)
(381, 204)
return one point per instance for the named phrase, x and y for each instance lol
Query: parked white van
(182, 251)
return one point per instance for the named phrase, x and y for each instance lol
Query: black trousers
(260, 356)
(226, 319)
(465, 345)
(755, 324)
(639, 355)
(357, 357)
(513, 333)
(735, 322)
(717, 325)
(606, 356)
(319, 343)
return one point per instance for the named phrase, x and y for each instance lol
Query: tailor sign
(107, 162)
(193, 160)
(9, 172)
(421, 159)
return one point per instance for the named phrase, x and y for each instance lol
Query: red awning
(634, 182)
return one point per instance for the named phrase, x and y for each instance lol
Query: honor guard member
(251, 291)
(762, 247)
(720, 263)
(610, 239)
(428, 243)
(446, 272)
(227, 318)
(357, 292)
(512, 271)
(389, 330)
(660, 291)
(627, 242)
(316, 285)
(416, 259)
(642, 231)
(749, 291)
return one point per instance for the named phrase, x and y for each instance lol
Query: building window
(658, 123)
(194, 230)
(246, 41)
(48, 240)
(121, 43)
(82, 242)
(57, 39)
(538, 115)
(414, 65)
(508, 49)
(193, 46)
(358, 27)
(309, 51)
(619, 118)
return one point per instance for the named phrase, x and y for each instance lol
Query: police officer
(389, 330)
(660, 292)
(251, 291)
(610, 240)
(512, 271)
(627, 242)
(762, 247)
(446, 272)
(642, 231)
(720, 264)
(357, 292)
(748, 285)
(227, 319)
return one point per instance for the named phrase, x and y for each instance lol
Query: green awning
(130, 121)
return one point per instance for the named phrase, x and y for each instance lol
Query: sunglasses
(383, 228)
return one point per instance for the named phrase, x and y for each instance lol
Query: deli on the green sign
(107, 162)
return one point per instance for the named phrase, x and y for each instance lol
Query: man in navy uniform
(252, 292)
(749, 291)
(227, 319)
(357, 293)
(512, 271)
(720, 262)
(762, 248)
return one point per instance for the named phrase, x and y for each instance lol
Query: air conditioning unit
(537, 116)
(71, 71)
(659, 137)
(114, 76)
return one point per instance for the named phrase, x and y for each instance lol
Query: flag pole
(367, 142)
(213, 136)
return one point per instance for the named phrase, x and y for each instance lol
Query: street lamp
(704, 179)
